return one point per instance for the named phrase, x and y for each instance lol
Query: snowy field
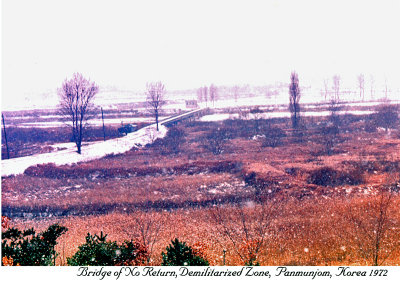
(282, 102)
(94, 122)
(220, 117)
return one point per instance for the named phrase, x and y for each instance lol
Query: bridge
(189, 116)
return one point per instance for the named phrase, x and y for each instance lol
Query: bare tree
(334, 108)
(257, 116)
(200, 94)
(147, 229)
(155, 98)
(336, 87)
(386, 89)
(372, 85)
(213, 93)
(216, 140)
(326, 88)
(246, 227)
(205, 94)
(373, 228)
(294, 99)
(334, 103)
(236, 90)
(76, 97)
(329, 137)
(361, 85)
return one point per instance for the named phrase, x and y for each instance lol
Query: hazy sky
(187, 44)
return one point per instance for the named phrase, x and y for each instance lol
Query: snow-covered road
(91, 151)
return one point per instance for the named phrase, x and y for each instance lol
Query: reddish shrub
(76, 171)
(327, 176)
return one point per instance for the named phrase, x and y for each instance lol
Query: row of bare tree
(207, 94)
(386, 115)
(332, 93)
(76, 103)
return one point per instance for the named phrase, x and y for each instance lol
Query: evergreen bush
(179, 254)
(27, 248)
(97, 251)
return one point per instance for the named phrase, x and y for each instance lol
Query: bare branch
(155, 98)
(76, 97)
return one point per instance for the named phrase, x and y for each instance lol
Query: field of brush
(311, 196)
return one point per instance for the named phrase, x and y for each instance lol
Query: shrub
(334, 107)
(387, 116)
(327, 176)
(98, 251)
(5, 222)
(259, 183)
(381, 165)
(76, 171)
(28, 248)
(370, 126)
(257, 114)
(171, 143)
(299, 134)
(273, 136)
(174, 139)
(329, 137)
(178, 254)
(292, 170)
(215, 141)
(241, 128)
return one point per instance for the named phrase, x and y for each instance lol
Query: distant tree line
(208, 94)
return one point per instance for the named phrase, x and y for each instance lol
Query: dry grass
(310, 228)
(306, 232)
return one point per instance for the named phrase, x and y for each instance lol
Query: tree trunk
(5, 136)
(156, 113)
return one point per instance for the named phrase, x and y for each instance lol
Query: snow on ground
(220, 117)
(241, 102)
(372, 103)
(283, 101)
(93, 122)
(91, 151)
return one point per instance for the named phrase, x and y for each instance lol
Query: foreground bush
(178, 254)
(98, 251)
(28, 248)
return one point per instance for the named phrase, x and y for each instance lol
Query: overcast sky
(187, 44)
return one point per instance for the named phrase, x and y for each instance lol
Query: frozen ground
(279, 101)
(90, 151)
(219, 117)
(93, 122)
